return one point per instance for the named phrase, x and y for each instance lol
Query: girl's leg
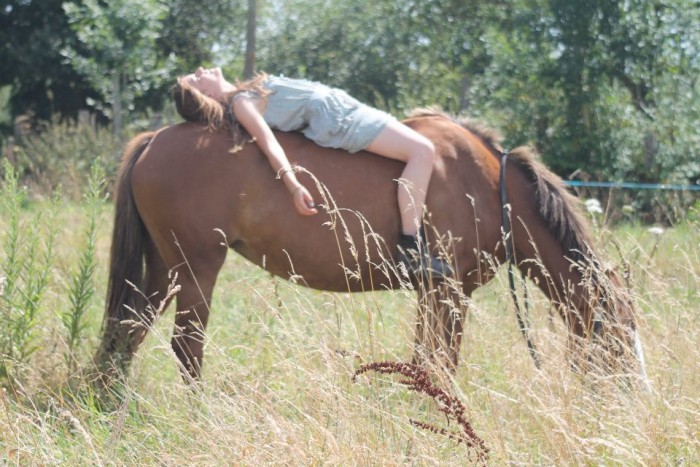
(397, 141)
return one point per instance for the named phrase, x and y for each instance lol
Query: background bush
(606, 88)
(61, 154)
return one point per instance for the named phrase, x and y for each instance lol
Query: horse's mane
(560, 210)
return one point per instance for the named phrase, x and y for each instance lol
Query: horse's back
(190, 188)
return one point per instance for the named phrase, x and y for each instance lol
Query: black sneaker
(419, 263)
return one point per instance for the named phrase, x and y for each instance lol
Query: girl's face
(209, 81)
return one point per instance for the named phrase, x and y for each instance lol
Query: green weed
(29, 253)
(82, 282)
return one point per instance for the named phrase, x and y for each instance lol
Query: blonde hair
(216, 114)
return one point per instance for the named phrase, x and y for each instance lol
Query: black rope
(508, 245)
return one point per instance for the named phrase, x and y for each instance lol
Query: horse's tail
(129, 239)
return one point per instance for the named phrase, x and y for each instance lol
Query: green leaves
(25, 268)
(82, 281)
(587, 82)
(118, 52)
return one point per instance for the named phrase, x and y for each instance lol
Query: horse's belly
(326, 270)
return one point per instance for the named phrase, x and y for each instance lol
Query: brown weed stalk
(417, 379)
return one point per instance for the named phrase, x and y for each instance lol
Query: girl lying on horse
(330, 118)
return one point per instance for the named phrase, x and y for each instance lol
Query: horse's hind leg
(197, 279)
(155, 291)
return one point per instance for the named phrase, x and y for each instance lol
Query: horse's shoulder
(426, 119)
(423, 118)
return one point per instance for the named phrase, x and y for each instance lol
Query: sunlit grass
(279, 363)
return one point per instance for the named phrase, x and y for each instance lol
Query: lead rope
(508, 245)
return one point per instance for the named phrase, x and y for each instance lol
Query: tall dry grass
(278, 379)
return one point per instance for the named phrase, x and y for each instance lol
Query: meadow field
(278, 383)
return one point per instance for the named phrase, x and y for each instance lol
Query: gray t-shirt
(328, 116)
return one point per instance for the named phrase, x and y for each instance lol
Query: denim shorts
(328, 116)
(337, 120)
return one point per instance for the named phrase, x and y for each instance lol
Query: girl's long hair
(215, 114)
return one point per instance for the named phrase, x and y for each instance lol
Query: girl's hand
(303, 201)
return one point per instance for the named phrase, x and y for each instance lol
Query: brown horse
(182, 194)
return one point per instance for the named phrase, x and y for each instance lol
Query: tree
(594, 85)
(32, 34)
(118, 39)
(202, 33)
(608, 87)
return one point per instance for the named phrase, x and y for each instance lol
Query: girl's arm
(248, 114)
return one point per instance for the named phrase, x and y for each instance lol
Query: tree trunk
(249, 69)
(116, 104)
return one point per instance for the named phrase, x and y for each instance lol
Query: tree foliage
(197, 32)
(116, 50)
(32, 34)
(607, 88)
